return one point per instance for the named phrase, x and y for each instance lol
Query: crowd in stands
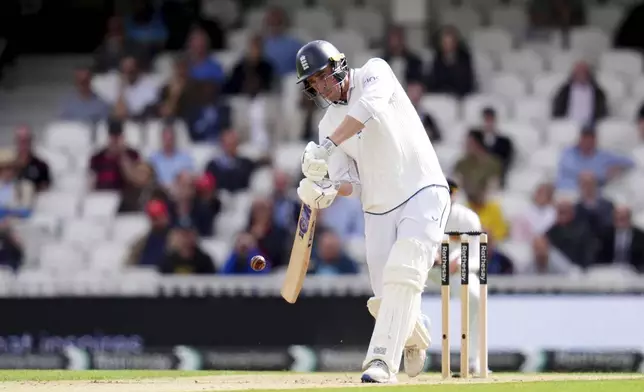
(568, 220)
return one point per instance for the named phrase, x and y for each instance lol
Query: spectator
(572, 237)
(477, 171)
(415, 92)
(271, 239)
(203, 67)
(150, 249)
(239, 260)
(185, 256)
(496, 144)
(286, 205)
(407, 66)
(452, 71)
(585, 156)
(170, 161)
(179, 94)
(490, 214)
(84, 105)
(556, 14)
(112, 167)
(143, 187)
(206, 205)
(622, 243)
(592, 208)
(628, 34)
(11, 252)
(538, 217)
(580, 99)
(115, 47)
(30, 167)
(199, 208)
(16, 195)
(145, 26)
(497, 262)
(330, 258)
(231, 171)
(253, 74)
(209, 116)
(279, 46)
(136, 95)
(549, 260)
(344, 217)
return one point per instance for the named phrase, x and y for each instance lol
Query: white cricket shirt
(392, 157)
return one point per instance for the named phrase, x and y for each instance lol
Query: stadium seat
(368, 21)
(546, 85)
(85, 233)
(108, 256)
(617, 135)
(563, 61)
(103, 204)
(525, 137)
(512, 204)
(61, 257)
(229, 58)
(128, 228)
(606, 17)
(525, 180)
(531, 109)
(508, 86)
(622, 62)
(442, 107)
(58, 204)
(493, 40)
(465, 19)
(356, 250)
(219, 250)
(514, 19)
(613, 85)
(316, 21)
(546, 159)
(349, 41)
(154, 129)
(519, 252)
(287, 157)
(68, 136)
(522, 62)
(261, 182)
(202, 154)
(562, 133)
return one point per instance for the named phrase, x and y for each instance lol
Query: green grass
(541, 386)
(506, 382)
(64, 375)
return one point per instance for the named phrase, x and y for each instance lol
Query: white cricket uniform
(463, 219)
(402, 187)
(405, 198)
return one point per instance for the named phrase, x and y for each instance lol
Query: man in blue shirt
(169, 161)
(279, 47)
(586, 157)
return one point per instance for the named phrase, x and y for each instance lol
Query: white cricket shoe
(414, 357)
(378, 372)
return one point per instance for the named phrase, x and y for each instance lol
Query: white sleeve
(378, 85)
(341, 166)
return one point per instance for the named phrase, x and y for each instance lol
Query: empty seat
(548, 84)
(465, 19)
(154, 129)
(546, 159)
(61, 257)
(533, 109)
(605, 17)
(367, 21)
(317, 21)
(625, 62)
(613, 85)
(84, 232)
(617, 135)
(128, 228)
(508, 86)
(562, 133)
(494, 40)
(513, 204)
(525, 137)
(590, 40)
(443, 108)
(510, 18)
(202, 154)
(637, 154)
(562, 61)
(349, 41)
(520, 252)
(287, 157)
(356, 249)
(523, 62)
(108, 256)
(261, 182)
(102, 204)
(230, 223)
(525, 180)
(58, 204)
(68, 136)
(218, 250)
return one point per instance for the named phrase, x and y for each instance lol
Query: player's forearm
(348, 127)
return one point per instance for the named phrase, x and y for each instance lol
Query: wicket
(465, 303)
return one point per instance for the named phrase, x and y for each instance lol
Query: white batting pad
(404, 278)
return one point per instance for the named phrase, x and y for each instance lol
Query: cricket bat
(298, 265)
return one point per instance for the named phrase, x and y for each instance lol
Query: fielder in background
(462, 219)
(373, 144)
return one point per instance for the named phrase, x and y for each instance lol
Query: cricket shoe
(378, 372)
(414, 358)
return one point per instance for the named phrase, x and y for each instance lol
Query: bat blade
(298, 264)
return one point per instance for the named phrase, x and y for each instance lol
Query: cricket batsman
(463, 219)
(373, 144)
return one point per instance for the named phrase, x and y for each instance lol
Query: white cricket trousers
(423, 217)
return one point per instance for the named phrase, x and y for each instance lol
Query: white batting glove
(315, 159)
(318, 194)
